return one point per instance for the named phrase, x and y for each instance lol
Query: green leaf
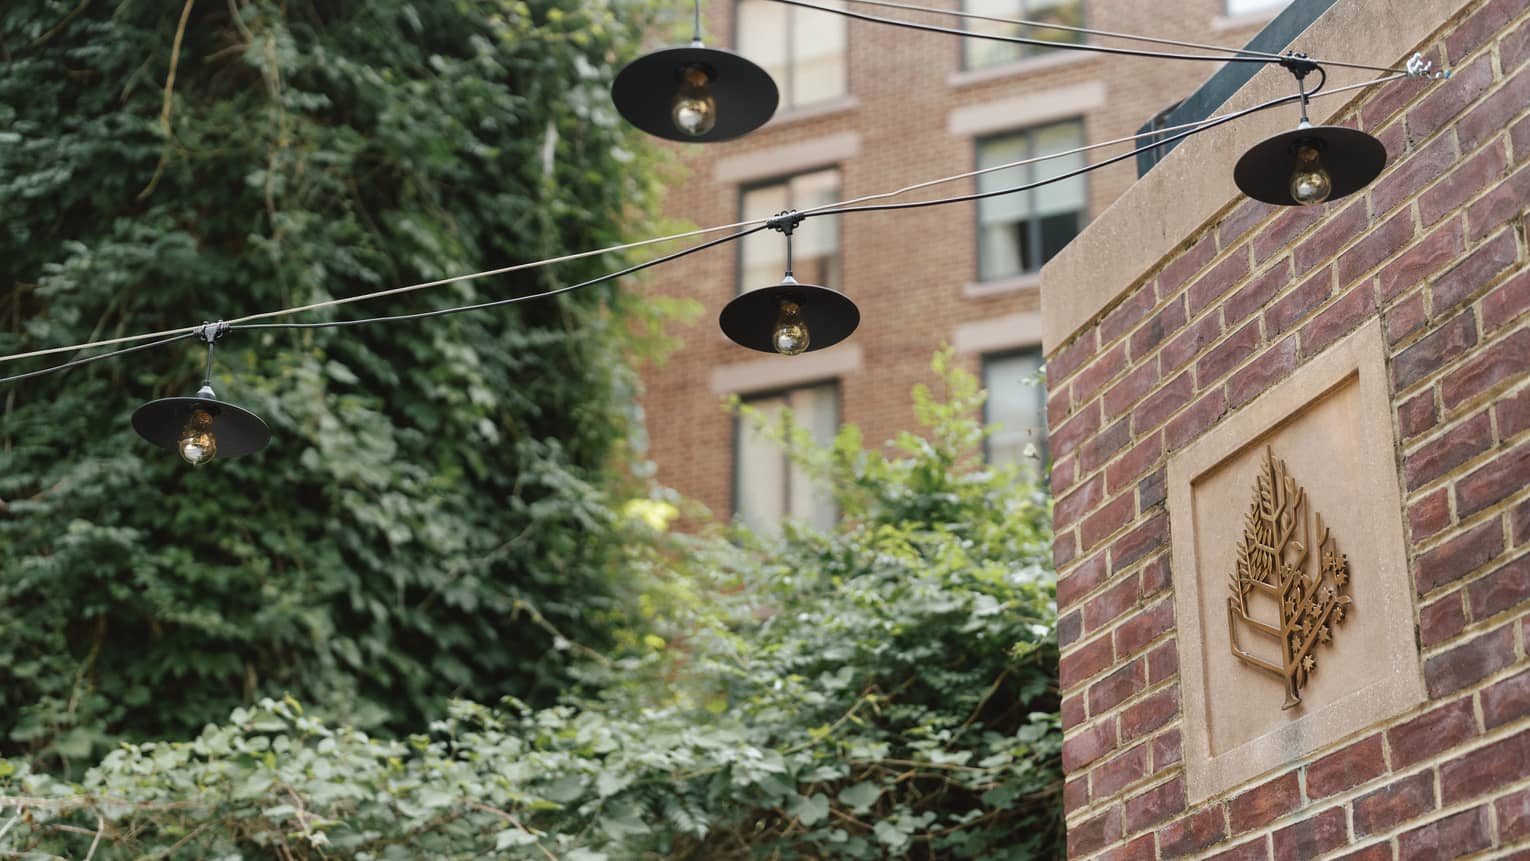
(860, 796)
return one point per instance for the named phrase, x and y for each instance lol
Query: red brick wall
(905, 270)
(1437, 249)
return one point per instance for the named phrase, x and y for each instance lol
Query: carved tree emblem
(1274, 558)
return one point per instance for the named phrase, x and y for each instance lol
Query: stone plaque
(1292, 593)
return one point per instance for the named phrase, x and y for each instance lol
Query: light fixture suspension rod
(696, 23)
(1066, 46)
(786, 221)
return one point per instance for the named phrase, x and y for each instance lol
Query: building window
(802, 49)
(1019, 232)
(767, 487)
(1236, 8)
(815, 242)
(1017, 403)
(981, 53)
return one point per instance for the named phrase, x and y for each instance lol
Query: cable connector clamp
(209, 332)
(1298, 64)
(785, 221)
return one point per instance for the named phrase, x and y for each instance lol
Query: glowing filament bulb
(197, 444)
(1310, 183)
(790, 337)
(695, 111)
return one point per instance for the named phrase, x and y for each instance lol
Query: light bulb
(1310, 183)
(695, 111)
(197, 444)
(790, 337)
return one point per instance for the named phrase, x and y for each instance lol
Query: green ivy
(884, 691)
(437, 498)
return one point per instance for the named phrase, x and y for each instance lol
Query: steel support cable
(88, 359)
(442, 312)
(1065, 46)
(1109, 34)
(394, 291)
(513, 300)
(1050, 25)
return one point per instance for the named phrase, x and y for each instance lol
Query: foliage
(888, 690)
(437, 497)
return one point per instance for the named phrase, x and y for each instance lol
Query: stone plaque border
(1360, 354)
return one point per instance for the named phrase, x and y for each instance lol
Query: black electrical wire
(1040, 43)
(88, 359)
(963, 198)
(1131, 37)
(705, 245)
(442, 312)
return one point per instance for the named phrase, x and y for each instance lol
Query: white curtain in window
(1066, 195)
(760, 471)
(1017, 403)
(818, 43)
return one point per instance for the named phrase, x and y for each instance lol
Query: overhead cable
(749, 226)
(1066, 46)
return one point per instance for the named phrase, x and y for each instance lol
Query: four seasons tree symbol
(1274, 557)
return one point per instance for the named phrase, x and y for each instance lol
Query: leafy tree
(436, 501)
(887, 690)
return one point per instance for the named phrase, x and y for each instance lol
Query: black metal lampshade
(644, 92)
(1352, 159)
(750, 319)
(238, 430)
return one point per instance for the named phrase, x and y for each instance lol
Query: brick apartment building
(867, 108)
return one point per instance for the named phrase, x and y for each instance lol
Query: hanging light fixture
(201, 427)
(695, 93)
(1309, 164)
(789, 317)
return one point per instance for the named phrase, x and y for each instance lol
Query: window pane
(1067, 12)
(769, 488)
(1067, 195)
(817, 410)
(761, 472)
(1016, 402)
(978, 53)
(761, 32)
(1019, 232)
(1003, 250)
(818, 48)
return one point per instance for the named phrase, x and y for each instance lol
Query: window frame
(784, 392)
(1044, 463)
(1033, 231)
(1027, 52)
(739, 287)
(786, 87)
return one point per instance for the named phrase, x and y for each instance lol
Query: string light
(695, 93)
(202, 427)
(1310, 164)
